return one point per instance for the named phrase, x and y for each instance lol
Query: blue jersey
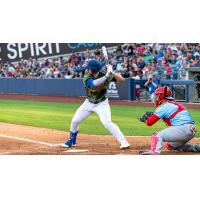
(167, 109)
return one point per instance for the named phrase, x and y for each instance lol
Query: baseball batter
(96, 84)
(180, 124)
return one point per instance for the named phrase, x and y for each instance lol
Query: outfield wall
(75, 88)
(59, 87)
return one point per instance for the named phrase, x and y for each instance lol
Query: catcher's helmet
(161, 93)
(94, 65)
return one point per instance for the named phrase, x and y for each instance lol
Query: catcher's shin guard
(154, 146)
(154, 142)
(72, 140)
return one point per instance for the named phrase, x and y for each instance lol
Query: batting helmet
(161, 93)
(94, 65)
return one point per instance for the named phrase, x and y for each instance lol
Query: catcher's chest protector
(180, 108)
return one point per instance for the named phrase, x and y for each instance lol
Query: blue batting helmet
(94, 65)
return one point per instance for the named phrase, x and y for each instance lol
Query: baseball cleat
(148, 153)
(68, 144)
(196, 148)
(124, 145)
(72, 140)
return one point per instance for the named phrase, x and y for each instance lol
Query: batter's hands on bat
(109, 71)
(145, 116)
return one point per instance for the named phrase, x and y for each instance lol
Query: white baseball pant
(102, 109)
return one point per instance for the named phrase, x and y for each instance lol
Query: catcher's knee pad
(172, 147)
(169, 146)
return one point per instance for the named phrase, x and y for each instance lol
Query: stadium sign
(10, 52)
(112, 91)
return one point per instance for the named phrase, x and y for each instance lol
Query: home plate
(76, 151)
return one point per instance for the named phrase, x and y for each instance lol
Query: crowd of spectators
(160, 60)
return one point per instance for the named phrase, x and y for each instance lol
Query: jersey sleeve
(152, 120)
(162, 110)
(89, 83)
(85, 79)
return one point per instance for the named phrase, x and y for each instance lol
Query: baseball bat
(105, 54)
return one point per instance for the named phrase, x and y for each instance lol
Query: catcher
(180, 124)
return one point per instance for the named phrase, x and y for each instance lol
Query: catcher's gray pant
(103, 111)
(177, 138)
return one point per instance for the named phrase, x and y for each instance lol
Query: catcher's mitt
(145, 116)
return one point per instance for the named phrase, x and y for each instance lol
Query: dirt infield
(27, 140)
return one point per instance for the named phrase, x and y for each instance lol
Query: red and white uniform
(180, 127)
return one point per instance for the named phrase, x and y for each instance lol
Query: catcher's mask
(161, 93)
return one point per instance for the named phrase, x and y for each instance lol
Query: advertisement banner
(119, 91)
(11, 52)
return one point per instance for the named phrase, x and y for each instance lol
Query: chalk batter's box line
(40, 143)
(30, 141)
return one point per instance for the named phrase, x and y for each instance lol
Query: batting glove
(109, 71)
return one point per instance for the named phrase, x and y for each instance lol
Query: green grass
(58, 116)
